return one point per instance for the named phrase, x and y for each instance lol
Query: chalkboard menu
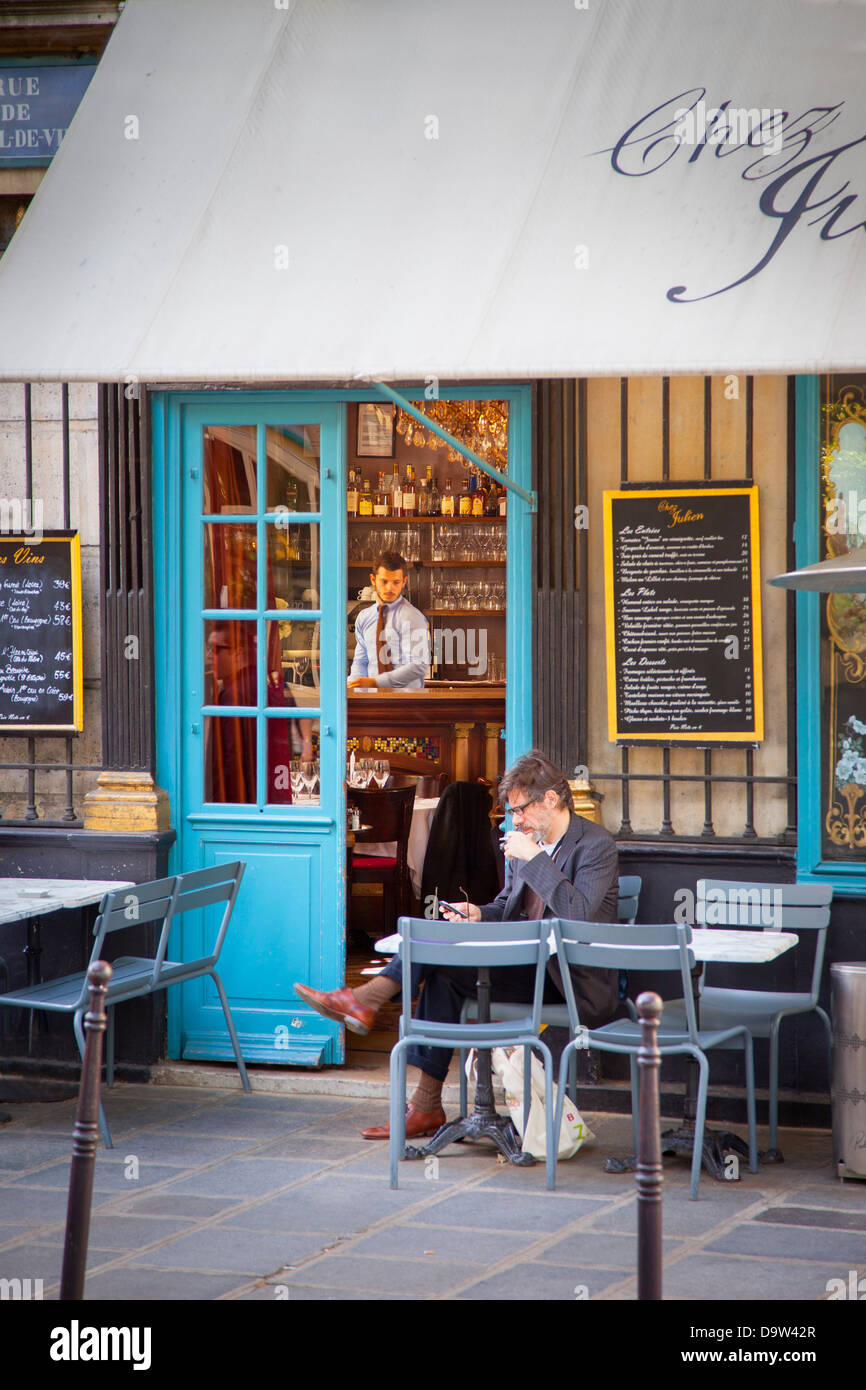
(40, 634)
(682, 593)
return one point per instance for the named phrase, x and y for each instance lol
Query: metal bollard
(86, 1138)
(649, 1153)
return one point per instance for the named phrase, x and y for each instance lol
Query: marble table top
(21, 898)
(709, 944)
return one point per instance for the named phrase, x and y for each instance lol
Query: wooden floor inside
(385, 1034)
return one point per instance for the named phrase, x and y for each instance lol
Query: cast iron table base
(682, 1141)
(484, 1122)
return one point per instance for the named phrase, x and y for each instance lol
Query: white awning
(488, 190)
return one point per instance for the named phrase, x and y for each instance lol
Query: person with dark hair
(392, 642)
(557, 865)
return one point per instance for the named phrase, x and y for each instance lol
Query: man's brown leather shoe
(418, 1124)
(342, 1006)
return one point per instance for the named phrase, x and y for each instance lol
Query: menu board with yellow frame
(41, 681)
(683, 615)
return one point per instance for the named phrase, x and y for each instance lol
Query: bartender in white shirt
(392, 641)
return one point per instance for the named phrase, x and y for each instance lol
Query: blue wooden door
(250, 546)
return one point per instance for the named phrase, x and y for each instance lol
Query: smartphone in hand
(452, 908)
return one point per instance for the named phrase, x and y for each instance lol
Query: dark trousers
(445, 989)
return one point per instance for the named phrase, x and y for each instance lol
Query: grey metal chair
(425, 942)
(556, 1015)
(795, 907)
(159, 902)
(663, 947)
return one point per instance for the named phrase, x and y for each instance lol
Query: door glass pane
(299, 659)
(230, 662)
(293, 467)
(229, 469)
(229, 564)
(293, 761)
(293, 565)
(230, 758)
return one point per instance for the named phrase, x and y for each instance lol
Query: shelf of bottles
(441, 531)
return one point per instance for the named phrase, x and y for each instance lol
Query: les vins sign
(41, 687)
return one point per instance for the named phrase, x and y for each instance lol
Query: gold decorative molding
(847, 828)
(492, 738)
(461, 750)
(585, 800)
(126, 803)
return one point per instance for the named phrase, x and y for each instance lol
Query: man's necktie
(382, 645)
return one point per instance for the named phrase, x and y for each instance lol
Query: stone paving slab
(244, 1177)
(134, 1285)
(382, 1275)
(420, 1242)
(541, 1283)
(747, 1281)
(244, 1252)
(106, 1177)
(478, 1210)
(792, 1242)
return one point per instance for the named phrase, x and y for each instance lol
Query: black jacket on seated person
(460, 852)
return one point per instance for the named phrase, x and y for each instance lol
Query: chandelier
(481, 425)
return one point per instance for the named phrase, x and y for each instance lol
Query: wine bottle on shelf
(352, 494)
(394, 489)
(365, 502)
(479, 496)
(491, 500)
(381, 502)
(503, 501)
(446, 506)
(465, 498)
(434, 497)
(423, 503)
(409, 492)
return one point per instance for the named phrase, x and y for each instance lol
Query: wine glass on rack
(381, 771)
(296, 779)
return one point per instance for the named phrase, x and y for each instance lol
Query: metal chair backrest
(621, 946)
(793, 907)
(429, 942)
(163, 900)
(629, 886)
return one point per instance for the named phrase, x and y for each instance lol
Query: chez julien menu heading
(683, 615)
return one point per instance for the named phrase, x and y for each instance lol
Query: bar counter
(454, 728)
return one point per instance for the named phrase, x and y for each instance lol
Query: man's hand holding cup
(517, 845)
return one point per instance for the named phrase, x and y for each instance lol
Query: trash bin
(848, 986)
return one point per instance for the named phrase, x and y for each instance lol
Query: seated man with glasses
(557, 865)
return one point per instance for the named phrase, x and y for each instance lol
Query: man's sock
(427, 1095)
(377, 992)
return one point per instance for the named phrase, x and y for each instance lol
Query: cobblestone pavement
(211, 1194)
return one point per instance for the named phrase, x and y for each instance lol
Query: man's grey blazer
(580, 887)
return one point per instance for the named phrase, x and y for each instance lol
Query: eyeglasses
(518, 810)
